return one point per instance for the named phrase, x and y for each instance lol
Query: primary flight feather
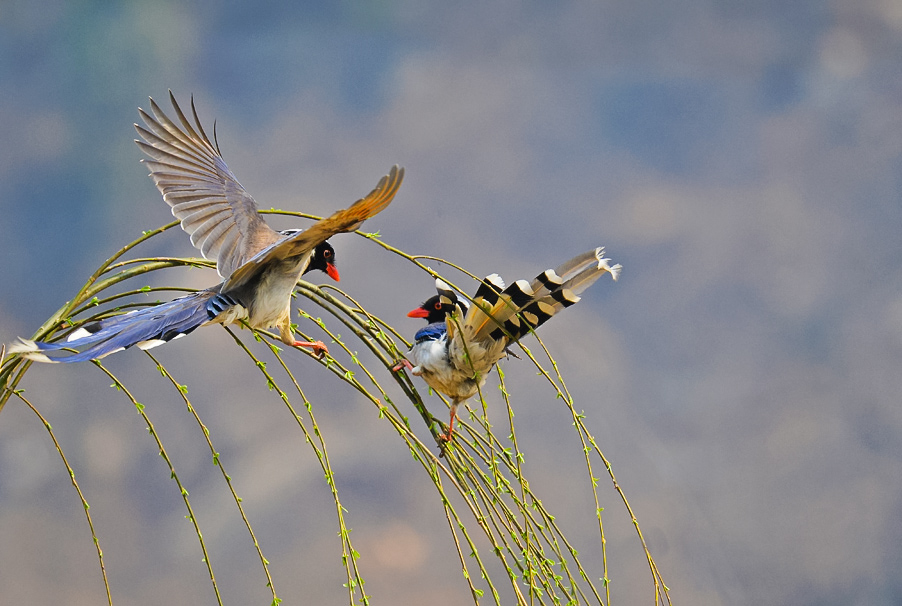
(259, 266)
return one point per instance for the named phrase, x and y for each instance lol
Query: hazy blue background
(743, 160)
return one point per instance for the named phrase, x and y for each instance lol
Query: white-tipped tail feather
(27, 349)
(80, 333)
(21, 346)
(150, 344)
(604, 263)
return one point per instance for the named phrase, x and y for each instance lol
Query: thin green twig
(81, 496)
(217, 461)
(140, 408)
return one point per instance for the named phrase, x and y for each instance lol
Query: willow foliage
(478, 480)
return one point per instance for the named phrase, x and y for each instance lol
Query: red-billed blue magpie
(463, 341)
(259, 266)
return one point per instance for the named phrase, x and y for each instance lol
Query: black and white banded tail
(513, 311)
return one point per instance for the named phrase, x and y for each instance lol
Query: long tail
(145, 328)
(523, 306)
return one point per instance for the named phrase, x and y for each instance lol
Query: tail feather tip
(495, 279)
(604, 263)
(22, 346)
(37, 356)
(28, 349)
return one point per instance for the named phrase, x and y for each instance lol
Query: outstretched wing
(215, 210)
(303, 242)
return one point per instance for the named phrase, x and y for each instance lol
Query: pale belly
(273, 301)
(432, 364)
(268, 301)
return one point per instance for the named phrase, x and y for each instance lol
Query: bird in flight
(463, 341)
(259, 266)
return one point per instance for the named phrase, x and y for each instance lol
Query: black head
(433, 310)
(436, 308)
(323, 259)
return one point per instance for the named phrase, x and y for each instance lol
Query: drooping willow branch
(478, 480)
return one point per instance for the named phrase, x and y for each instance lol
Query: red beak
(419, 312)
(333, 272)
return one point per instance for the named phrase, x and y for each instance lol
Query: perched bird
(462, 342)
(259, 266)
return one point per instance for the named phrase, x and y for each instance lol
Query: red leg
(319, 348)
(446, 437)
(402, 363)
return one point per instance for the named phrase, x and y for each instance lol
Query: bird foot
(402, 363)
(509, 353)
(319, 348)
(449, 433)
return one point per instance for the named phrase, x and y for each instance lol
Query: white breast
(272, 298)
(433, 364)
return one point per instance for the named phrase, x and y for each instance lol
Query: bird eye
(327, 253)
(438, 305)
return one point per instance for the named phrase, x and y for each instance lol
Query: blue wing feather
(431, 332)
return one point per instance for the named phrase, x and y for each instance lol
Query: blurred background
(742, 160)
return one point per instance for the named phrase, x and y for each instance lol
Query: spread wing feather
(214, 209)
(303, 242)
